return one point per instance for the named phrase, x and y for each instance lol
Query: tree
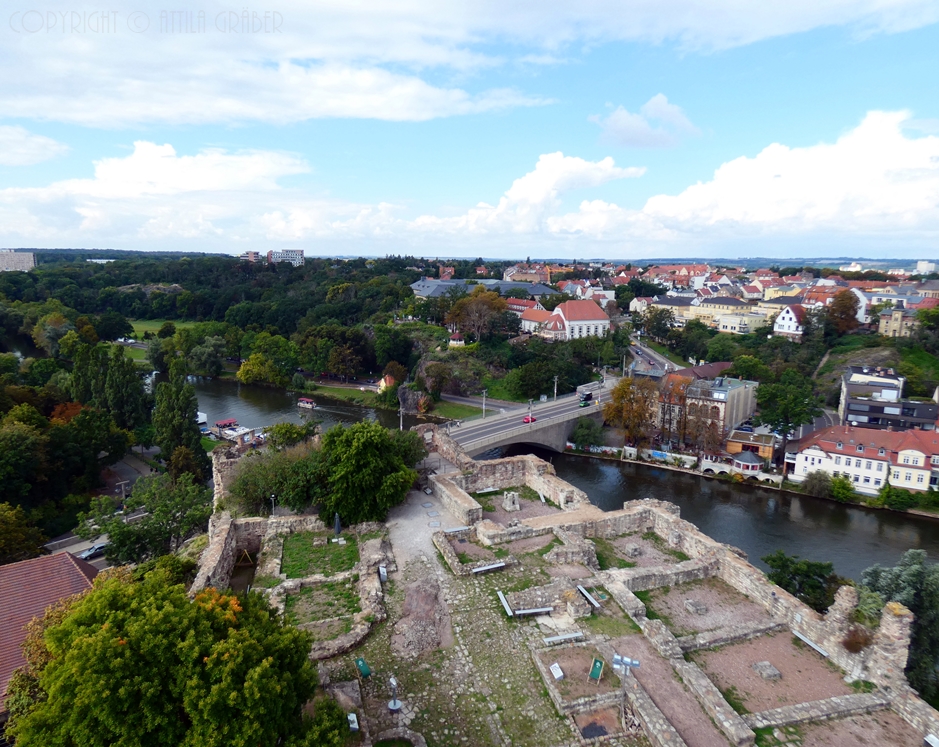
(818, 484)
(722, 347)
(750, 368)
(810, 581)
(366, 472)
(184, 462)
(18, 540)
(112, 324)
(295, 475)
(588, 432)
(476, 312)
(167, 329)
(632, 407)
(174, 418)
(127, 400)
(842, 489)
(207, 358)
(49, 330)
(842, 312)
(139, 663)
(915, 584)
(261, 369)
(396, 371)
(281, 435)
(173, 511)
(656, 322)
(786, 405)
(343, 361)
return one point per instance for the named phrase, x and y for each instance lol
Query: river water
(757, 520)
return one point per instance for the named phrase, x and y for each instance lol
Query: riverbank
(787, 487)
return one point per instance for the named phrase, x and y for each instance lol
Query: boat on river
(304, 403)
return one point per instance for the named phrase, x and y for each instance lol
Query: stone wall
(660, 732)
(574, 549)
(442, 543)
(560, 595)
(456, 500)
(586, 703)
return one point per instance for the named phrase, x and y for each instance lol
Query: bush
(818, 484)
(842, 490)
(857, 639)
(587, 433)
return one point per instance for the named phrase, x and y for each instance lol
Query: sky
(622, 129)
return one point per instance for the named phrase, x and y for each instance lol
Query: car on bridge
(529, 419)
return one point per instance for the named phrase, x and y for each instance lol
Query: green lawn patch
(611, 625)
(495, 389)
(347, 394)
(921, 359)
(208, 444)
(302, 558)
(662, 350)
(454, 410)
(322, 602)
(662, 547)
(153, 325)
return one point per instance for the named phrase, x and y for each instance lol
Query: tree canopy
(631, 407)
(787, 404)
(810, 581)
(140, 664)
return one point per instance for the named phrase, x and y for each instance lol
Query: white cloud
(658, 124)
(19, 147)
(395, 61)
(874, 186)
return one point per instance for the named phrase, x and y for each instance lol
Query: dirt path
(677, 704)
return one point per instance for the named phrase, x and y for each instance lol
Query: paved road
(657, 358)
(544, 412)
(493, 406)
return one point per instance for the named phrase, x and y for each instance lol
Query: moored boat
(306, 403)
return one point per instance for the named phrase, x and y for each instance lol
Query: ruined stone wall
(218, 558)
(440, 443)
(490, 533)
(574, 549)
(224, 466)
(456, 500)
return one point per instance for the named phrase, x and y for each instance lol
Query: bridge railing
(495, 411)
(507, 435)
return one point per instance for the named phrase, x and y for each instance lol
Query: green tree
(23, 461)
(786, 405)
(817, 483)
(750, 368)
(295, 475)
(474, 314)
(722, 347)
(49, 330)
(914, 583)
(588, 432)
(173, 511)
(631, 407)
(261, 369)
(18, 539)
(139, 663)
(366, 472)
(167, 329)
(843, 312)
(281, 435)
(112, 324)
(184, 462)
(207, 358)
(89, 378)
(174, 418)
(127, 400)
(842, 489)
(810, 581)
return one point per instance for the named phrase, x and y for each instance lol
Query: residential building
(482, 270)
(897, 322)
(929, 288)
(445, 272)
(924, 268)
(252, 257)
(790, 322)
(434, 288)
(709, 309)
(528, 273)
(739, 324)
(456, 340)
(873, 398)
(751, 292)
(871, 458)
(761, 444)
(27, 588)
(724, 401)
(640, 303)
(12, 261)
(534, 320)
(293, 256)
(519, 306)
(573, 319)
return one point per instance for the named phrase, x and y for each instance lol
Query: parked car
(529, 419)
(94, 551)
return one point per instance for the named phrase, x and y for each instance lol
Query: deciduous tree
(786, 405)
(174, 418)
(810, 581)
(632, 408)
(843, 312)
(18, 539)
(474, 313)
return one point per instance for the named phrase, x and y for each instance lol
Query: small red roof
(456, 336)
(27, 588)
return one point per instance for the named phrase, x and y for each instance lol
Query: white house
(869, 458)
(572, 319)
(640, 303)
(534, 320)
(790, 322)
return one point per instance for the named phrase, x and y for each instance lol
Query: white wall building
(790, 322)
(16, 261)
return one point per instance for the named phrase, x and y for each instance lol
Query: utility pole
(272, 504)
(624, 365)
(529, 411)
(484, 403)
(400, 418)
(555, 387)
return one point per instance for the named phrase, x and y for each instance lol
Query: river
(757, 520)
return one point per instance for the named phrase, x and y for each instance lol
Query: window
(837, 460)
(860, 449)
(856, 478)
(906, 460)
(880, 466)
(857, 463)
(805, 470)
(867, 480)
(868, 465)
(839, 444)
(877, 482)
(908, 477)
(919, 479)
(935, 460)
(881, 452)
(915, 461)
(896, 474)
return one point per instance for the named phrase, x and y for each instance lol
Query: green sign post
(596, 670)
(363, 668)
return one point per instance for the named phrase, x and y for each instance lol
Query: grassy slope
(455, 411)
(153, 325)
(662, 350)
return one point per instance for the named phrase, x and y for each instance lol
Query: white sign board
(556, 671)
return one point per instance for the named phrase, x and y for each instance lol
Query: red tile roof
(581, 311)
(893, 442)
(26, 590)
(539, 316)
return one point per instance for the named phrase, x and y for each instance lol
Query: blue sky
(619, 129)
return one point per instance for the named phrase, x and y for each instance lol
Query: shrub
(817, 483)
(857, 639)
(842, 489)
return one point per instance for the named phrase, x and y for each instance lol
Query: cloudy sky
(601, 128)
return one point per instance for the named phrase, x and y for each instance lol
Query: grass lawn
(135, 354)
(662, 350)
(495, 389)
(920, 358)
(355, 396)
(153, 325)
(302, 558)
(208, 444)
(455, 411)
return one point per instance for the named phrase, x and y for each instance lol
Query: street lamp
(272, 504)
(529, 410)
(484, 403)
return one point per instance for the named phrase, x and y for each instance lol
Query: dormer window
(881, 452)
(839, 445)
(860, 449)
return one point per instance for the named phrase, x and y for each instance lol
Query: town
(407, 552)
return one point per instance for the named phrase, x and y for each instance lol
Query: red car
(529, 419)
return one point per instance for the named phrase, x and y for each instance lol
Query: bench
(490, 567)
(818, 648)
(534, 611)
(593, 602)
(454, 530)
(563, 638)
(505, 604)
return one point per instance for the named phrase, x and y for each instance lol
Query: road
(492, 405)
(479, 429)
(657, 358)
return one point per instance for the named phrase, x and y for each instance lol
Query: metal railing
(519, 431)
